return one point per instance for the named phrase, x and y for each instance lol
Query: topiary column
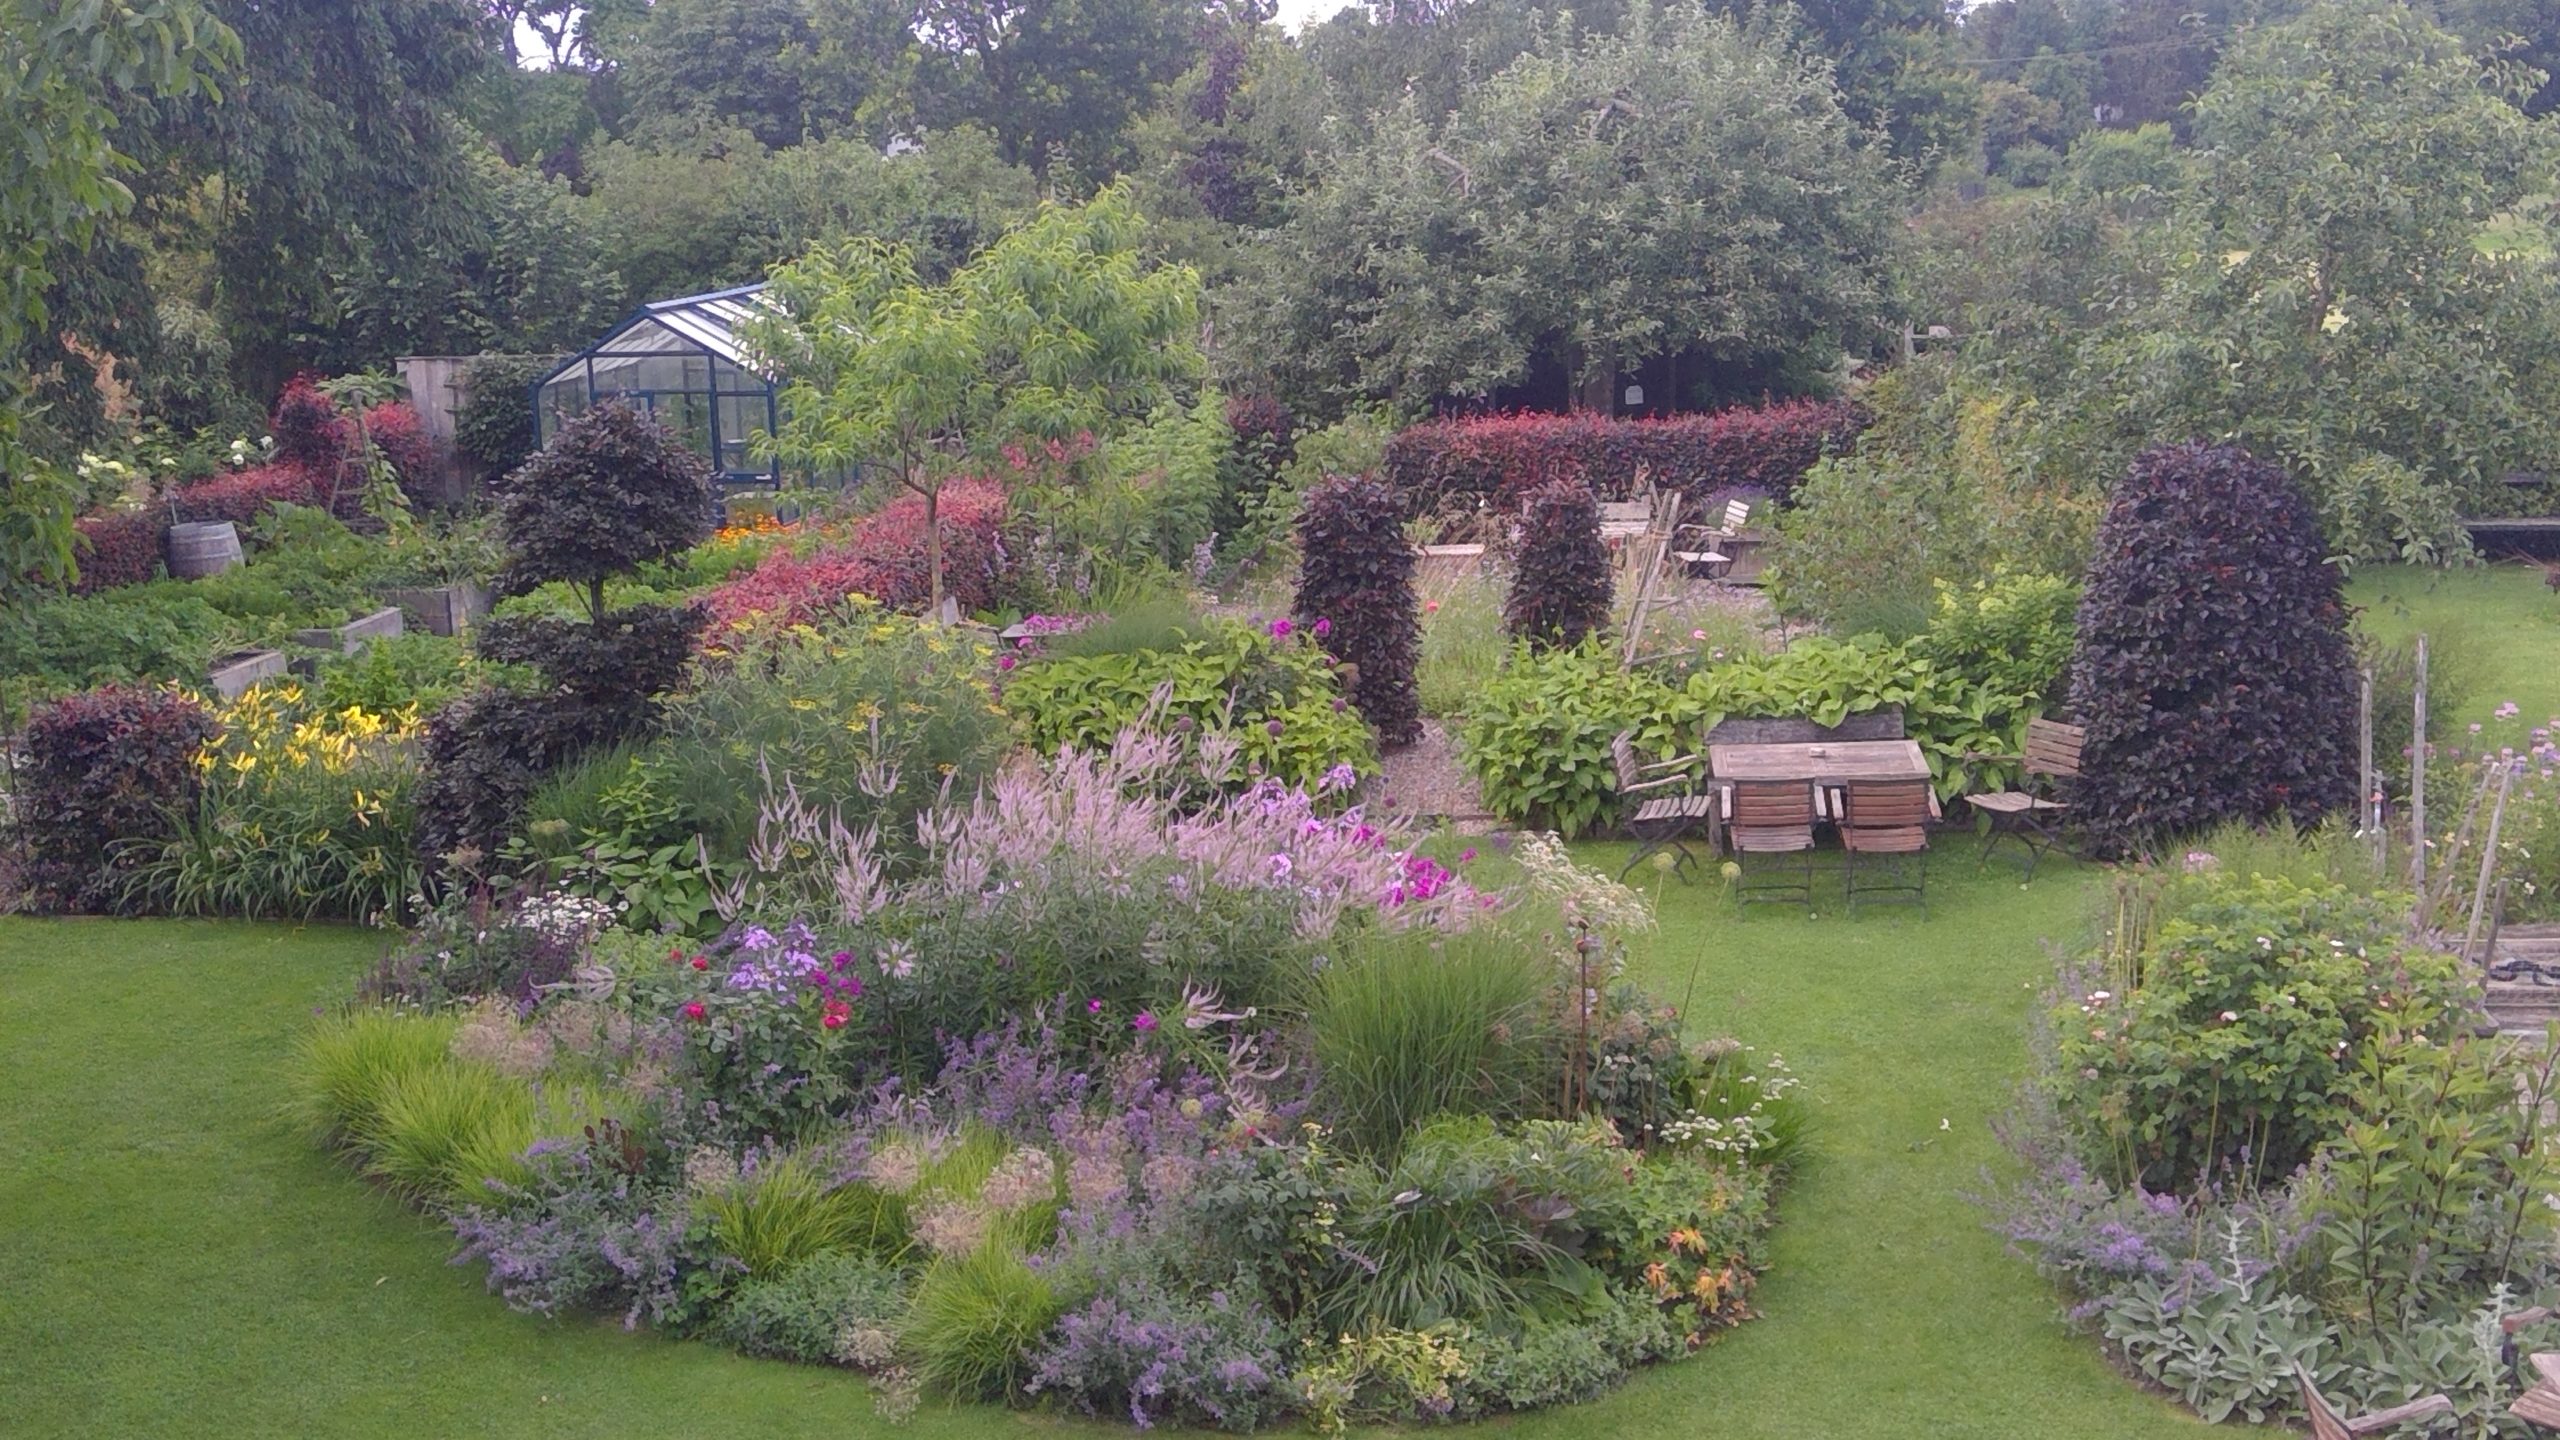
(1560, 585)
(2212, 670)
(1355, 591)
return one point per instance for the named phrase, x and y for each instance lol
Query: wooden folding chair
(2034, 813)
(1884, 840)
(1707, 553)
(2328, 1424)
(1661, 805)
(1773, 818)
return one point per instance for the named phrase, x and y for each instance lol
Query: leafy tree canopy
(1058, 328)
(1695, 179)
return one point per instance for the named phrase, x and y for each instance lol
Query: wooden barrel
(198, 549)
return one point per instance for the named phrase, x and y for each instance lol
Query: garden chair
(2328, 1424)
(2539, 1405)
(1710, 558)
(1662, 804)
(1772, 818)
(2032, 814)
(1884, 840)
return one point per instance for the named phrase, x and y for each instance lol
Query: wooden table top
(1830, 762)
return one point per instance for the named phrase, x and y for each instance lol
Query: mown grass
(182, 1259)
(2504, 617)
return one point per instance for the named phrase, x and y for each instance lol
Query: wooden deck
(2520, 1006)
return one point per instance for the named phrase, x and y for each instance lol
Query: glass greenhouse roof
(683, 361)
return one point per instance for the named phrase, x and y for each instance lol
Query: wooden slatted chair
(1772, 818)
(2034, 813)
(2328, 1424)
(1884, 840)
(1706, 551)
(1661, 805)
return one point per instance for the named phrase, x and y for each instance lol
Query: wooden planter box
(356, 634)
(231, 675)
(443, 609)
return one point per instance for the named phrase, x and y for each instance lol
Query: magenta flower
(1093, 1007)
(1280, 629)
(842, 960)
(1004, 662)
(1144, 1022)
(1466, 855)
(1323, 627)
(693, 1010)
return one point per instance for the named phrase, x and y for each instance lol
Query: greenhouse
(683, 361)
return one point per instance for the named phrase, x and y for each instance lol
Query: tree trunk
(933, 546)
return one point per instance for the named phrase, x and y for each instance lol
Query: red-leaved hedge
(244, 496)
(1503, 457)
(882, 556)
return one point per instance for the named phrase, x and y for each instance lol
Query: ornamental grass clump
(2213, 670)
(1413, 1025)
(1355, 595)
(348, 1066)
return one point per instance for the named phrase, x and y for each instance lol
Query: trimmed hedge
(1355, 595)
(1501, 458)
(102, 770)
(2213, 669)
(1560, 583)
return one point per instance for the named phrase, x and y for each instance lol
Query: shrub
(310, 434)
(120, 547)
(1469, 1225)
(2010, 634)
(2231, 1050)
(2214, 673)
(1355, 594)
(878, 717)
(1951, 714)
(96, 774)
(1166, 1358)
(399, 671)
(1537, 738)
(1560, 584)
(347, 1067)
(611, 492)
(396, 432)
(1444, 465)
(1407, 1027)
(975, 1320)
(1261, 441)
(811, 1311)
(587, 1234)
(494, 427)
(244, 497)
(1251, 703)
(156, 633)
(884, 556)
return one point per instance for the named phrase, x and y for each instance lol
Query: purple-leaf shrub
(2213, 670)
(1560, 581)
(1355, 594)
(98, 772)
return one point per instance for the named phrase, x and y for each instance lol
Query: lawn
(2502, 621)
(179, 1261)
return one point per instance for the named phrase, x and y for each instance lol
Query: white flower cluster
(1765, 1080)
(566, 918)
(1589, 897)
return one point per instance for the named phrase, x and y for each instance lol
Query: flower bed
(1206, 1118)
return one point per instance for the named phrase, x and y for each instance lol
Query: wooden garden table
(1826, 764)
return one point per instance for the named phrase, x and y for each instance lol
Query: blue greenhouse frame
(683, 362)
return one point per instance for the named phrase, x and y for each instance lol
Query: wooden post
(2488, 860)
(2366, 819)
(2418, 788)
